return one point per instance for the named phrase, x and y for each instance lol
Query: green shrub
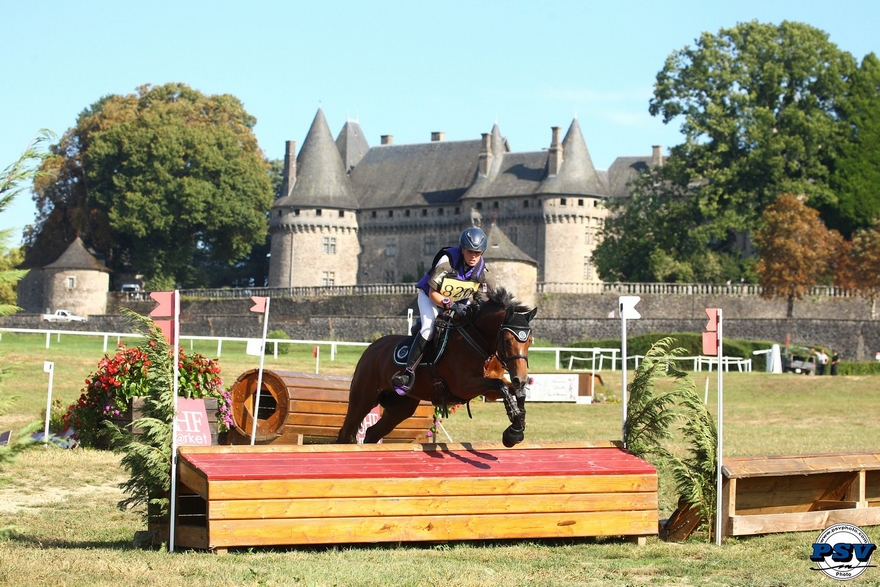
(853, 368)
(283, 349)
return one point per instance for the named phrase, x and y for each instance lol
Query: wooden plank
(757, 494)
(192, 478)
(333, 488)
(430, 528)
(799, 464)
(378, 448)
(260, 508)
(803, 521)
(872, 485)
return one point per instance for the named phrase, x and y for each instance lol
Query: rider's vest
(464, 283)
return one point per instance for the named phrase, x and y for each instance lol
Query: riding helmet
(473, 239)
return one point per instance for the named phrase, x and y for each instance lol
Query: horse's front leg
(515, 405)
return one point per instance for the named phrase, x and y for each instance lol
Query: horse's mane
(506, 299)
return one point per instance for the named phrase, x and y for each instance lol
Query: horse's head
(514, 341)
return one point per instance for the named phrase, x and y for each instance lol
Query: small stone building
(76, 281)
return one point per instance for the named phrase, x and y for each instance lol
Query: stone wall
(844, 324)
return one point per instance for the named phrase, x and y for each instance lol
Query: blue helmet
(473, 239)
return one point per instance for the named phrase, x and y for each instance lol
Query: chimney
(387, 139)
(438, 137)
(486, 154)
(657, 155)
(554, 163)
(289, 174)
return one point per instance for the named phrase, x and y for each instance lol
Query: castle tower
(571, 196)
(313, 226)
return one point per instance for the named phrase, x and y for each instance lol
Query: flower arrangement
(126, 375)
(438, 420)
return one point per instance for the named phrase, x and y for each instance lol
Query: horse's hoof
(512, 437)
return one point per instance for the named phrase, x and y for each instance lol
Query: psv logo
(842, 551)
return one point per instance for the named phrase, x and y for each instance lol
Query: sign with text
(552, 388)
(192, 423)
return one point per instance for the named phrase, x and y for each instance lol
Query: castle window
(512, 234)
(373, 215)
(495, 205)
(391, 247)
(424, 211)
(430, 245)
(588, 237)
(390, 213)
(342, 213)
(580, 202)
(479, 205)
(389, 276)
(329, 245)
(457, 210)
(525, 203)
(588, 268)
(562, 201)
(595, 203)
(328, 278)
(279, 213)
(440, 212)
(406, 213)
(318, 212)
(296, 212)
(71, 282)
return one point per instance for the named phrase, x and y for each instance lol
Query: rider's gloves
(459, 307)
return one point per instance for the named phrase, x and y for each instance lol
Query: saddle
(434, 349)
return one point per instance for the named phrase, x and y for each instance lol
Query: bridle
(521, 332)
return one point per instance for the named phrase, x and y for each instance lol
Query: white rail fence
(597, 359)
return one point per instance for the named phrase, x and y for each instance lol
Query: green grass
(69, 532)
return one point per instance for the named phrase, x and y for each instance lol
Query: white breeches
(429, 314)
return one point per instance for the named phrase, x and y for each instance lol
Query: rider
(456, 275)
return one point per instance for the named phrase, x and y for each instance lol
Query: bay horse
(492, 337)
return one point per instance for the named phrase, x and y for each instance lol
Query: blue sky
(399, 67)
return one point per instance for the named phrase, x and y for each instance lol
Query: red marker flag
(165, 299)
(315, 352)
(710, 337)
(259, 304)
(167, 328)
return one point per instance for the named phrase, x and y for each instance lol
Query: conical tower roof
(321, 179)
(577, 174)
(77, 257)
(501, 248)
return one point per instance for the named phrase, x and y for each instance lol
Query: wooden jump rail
(304, 408)
(281, 495)
(798, 493)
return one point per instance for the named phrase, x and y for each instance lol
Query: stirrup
(402, 381)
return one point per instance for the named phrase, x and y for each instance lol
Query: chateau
(354, 214)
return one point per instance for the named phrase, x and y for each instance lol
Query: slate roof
(624, 170)
(577, 175)
(438, 172)
(352, 144)
(501, 248)
(321, 181)
(77, 257)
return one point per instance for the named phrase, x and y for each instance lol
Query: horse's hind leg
(396, 411)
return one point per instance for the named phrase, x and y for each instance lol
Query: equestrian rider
(457, 274)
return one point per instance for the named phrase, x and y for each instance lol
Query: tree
(167, 181)
(861, 267)
(12, 180)
(856, 176)
(796, 250)
(760, 108)
(659, 233)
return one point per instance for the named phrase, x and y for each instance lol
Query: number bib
(457, 290)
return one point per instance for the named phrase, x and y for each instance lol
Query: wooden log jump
(237, 496)
(796, 493)
(304, 408)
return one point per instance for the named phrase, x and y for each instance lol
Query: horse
(492, 337)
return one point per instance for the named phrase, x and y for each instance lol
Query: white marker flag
(254, 347)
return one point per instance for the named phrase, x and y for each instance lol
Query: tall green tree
(166, 181)
(856, 176)
(759, 105)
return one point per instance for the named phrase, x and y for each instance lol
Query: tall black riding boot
(403, 380)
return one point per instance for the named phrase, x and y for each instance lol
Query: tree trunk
(790, 313)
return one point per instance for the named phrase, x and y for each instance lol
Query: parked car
(63, 316)
(802, 362)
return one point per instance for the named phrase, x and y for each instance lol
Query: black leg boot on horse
(404, 380)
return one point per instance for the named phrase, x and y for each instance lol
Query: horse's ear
(531, 314)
